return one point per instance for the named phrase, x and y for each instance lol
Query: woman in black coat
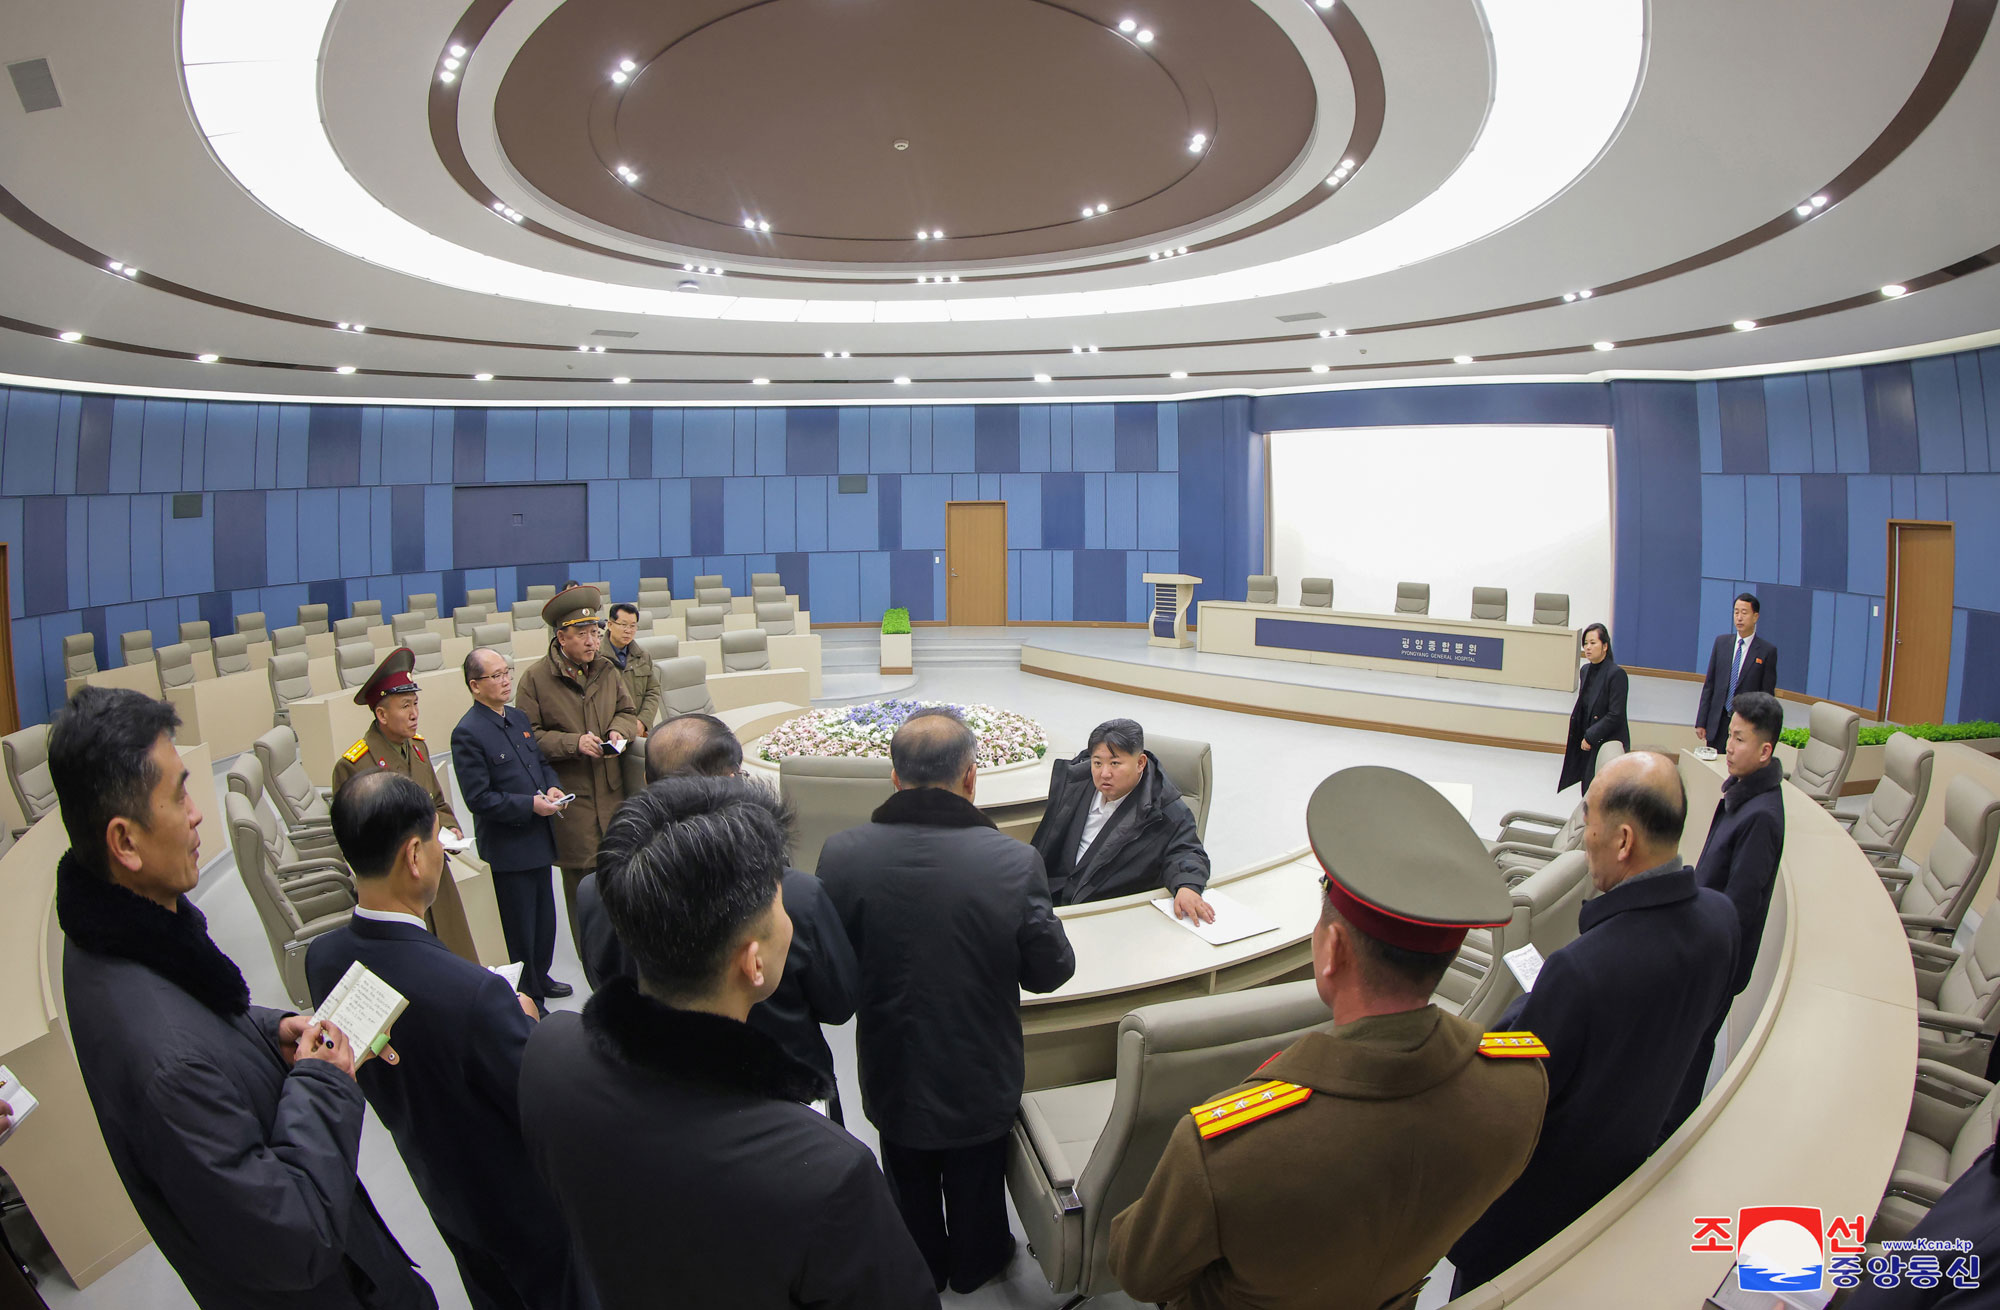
(1599, 715)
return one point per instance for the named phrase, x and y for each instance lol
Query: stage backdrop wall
(1527, 508)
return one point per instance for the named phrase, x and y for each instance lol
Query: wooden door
(975, 535)
(1916, 654)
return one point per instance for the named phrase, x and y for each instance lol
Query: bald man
(1622, 1009)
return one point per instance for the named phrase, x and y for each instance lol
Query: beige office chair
(777, 620)
(1479, 986)
(1261, 589)
(285, 640)
(176, 665)
(1413, 598)
(1552, 608)
(1077, 1155)
(486, 596)
(406, 624)
(1190, 766)
(528, 615)
(766, 580)
(1489, 604)
(1933, 900)
(1952, 1117)
(291, 680)
(830, 795)
(1883, 827)
(496, 636)
(252, 626)
(194, 635)
(1958, 997)
(745, 651)
(717, 597)
(313, 618)
(1828, 755)
(428, 647)
(354, 661)
(661, 646)
(79, 655)
(1529, 839)
(704, 622)
(1316, 593)
(317, 898)
(422, 602)
(683, 684)
(26, 753)
(659, 604)
(709, 580)
(136, 647)
(370, 610)
(349, 629)
(301, 807)
(768, 594)
(540, 594)
(603, 590)
(232, 654)
(467, 617)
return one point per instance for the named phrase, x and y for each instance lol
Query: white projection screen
(1525, 508)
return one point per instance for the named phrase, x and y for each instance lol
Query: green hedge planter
(895, 621)
(1877, 734)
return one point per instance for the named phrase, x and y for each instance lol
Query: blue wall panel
(1023, 494)
(356, 535)
(1850, 420)
(1789, 415)
(1034, 438)
(1823, 531)
(920, 441)
(1867, 533)
(1013, 586)
(1094, 439)
(187, 552)
(1062, 511)
(812, 496)
(1723, 526)
(110, 549)
(589, 445)
(1820, 655)
(924, 496)
(1121, 511)
(742, 516)
(746, 443)
(1740, 408)
(1094, 511)
(708, 447)
(951, 439)
(1939, 416)
(853, 520)
(1819, 404)
(1980, 692)
(781, 526)
(669, 443)
(638, 519)
(889, 440)
(551, 446)
(1975, 509)
(1972, 404)
(873, 570)
(29, 465)
(1955, 691)
(1708, 419)
(1099, 586)
(1890, 400)
(770, 442)
(1760, 529)
(836, 587)
(854, 440)
(705, 515)
(1062, 439)
(889, 511)
(318, 529)
(1846, 680)
(1790, 527)
(510, 445)
(148, 581)
(996, 438)
(371, 446)
(1037, 602)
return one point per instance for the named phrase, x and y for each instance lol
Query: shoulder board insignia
(1230, 1112)
(416, 736)
(356, 751)
(1513, 1046)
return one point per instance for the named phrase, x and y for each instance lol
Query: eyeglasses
(505, 671)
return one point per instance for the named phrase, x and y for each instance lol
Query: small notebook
(363, 1006)
(1233, 920)
(511, 971)
(1526, 964)
(20, 1101)
(614, 747)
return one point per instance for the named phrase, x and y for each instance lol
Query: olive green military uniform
(642, 680)
(1345, 1196)
(412, 759)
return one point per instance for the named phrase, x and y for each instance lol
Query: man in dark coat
(1599, 713)
(512, 793)
(1116, 824)
(235, 1129)
(449, 1097)
(1741, 661)
(1746, 839)
(675, 1136)
(950, 921)
(820, 979)
(1621, 1010)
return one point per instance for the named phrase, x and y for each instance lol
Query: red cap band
(394, 685)
(1411, 935)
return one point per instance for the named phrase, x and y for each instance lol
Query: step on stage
(1661, 710)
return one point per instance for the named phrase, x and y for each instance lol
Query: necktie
(1735, 673)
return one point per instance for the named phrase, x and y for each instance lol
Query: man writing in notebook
(447, 1086)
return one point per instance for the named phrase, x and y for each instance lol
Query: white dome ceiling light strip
(1565, 73)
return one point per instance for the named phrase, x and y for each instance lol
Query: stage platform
(1661, 710)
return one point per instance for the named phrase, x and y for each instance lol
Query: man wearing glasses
(513, 793)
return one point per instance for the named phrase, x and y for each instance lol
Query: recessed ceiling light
(1076, 350)
(1178, 375)
(69, 336)
(1461, 359)
(207, 359)
(1336, 179)
(1585, 294)
(1603, 345)
(1324, 4)
(345, 368)
(1152, 254)
(1128, 25)
(1745, 325)
(760, 382)
(1319, 368)
(1041, 377)
(1196, 142)
(627, 65)
(923, 235)
(827, 355)
(1181, 251)
(115, 266)
(1101, 206)
(1804, 211)
(750, 223)
(482, 377)
(1145, 36)
(130, 271)
(341, 326)
(598, 349)
(1340, 332)
(902, 382)
(458, 52)
(1088, 212)
(845, 354)
(1326, 332)
(618, 75)
(620, 381)
(763, 225)
(1818, 202)
(1090, 350)
(1895, 289)
(451, 64)
(447, 76)
(1568, 296)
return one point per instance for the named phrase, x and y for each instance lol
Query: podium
(1171, 594)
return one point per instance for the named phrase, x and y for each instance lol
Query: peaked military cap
(391, 676)
(573, 605)
(1402, 864)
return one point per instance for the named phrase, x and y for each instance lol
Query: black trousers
(528, 920)
(955, 1206)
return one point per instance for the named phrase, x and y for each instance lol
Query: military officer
(392, 742)
(1339, 1173)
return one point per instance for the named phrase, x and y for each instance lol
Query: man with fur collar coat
(235, 1129)
(677, 1139)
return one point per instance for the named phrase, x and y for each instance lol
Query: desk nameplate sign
(1382, 643)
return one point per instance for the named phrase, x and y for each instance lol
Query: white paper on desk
(1526, 964)
(1233, 920)
(20, 1101)
(511, 971)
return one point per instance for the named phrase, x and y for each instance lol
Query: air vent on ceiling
(35, 84)
(1306, 317)
(611, 332)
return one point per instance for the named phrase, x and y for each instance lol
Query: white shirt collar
(1098, 805)
(389, 916)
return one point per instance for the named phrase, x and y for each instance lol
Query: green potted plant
(1981, 735)
(896, 641)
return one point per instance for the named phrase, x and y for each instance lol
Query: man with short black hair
(1622, 1009)
(235, 1129)
(1746, 839)
(1116, 824)
(1741, 661)
(676, 1136)
(621, 644)
(447, 1087)
(950, 920)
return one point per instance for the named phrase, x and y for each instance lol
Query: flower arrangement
(863, 731)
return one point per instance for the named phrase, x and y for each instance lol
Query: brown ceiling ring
(1964, 31)
(1962, 268)
(1370, 109)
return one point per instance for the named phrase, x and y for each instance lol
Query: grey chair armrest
(1847, 821)
(1930, 956)
(1531, 816)
(1969, 1024)
(1895, 879)
(1543, 853)
(301, 868)
(1944, 1098)
(1929, 922)
(318, 882)
(18, 833)
(1923, 1190)
(324, 924)
(1054, 1161)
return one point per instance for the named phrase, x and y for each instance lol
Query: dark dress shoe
(555, 991)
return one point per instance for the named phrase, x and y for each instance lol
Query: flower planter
(896, 653)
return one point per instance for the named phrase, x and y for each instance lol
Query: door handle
(954, 573)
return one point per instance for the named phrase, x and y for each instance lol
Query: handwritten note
(363, 1006)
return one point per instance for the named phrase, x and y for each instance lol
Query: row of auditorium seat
(1488, 603)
